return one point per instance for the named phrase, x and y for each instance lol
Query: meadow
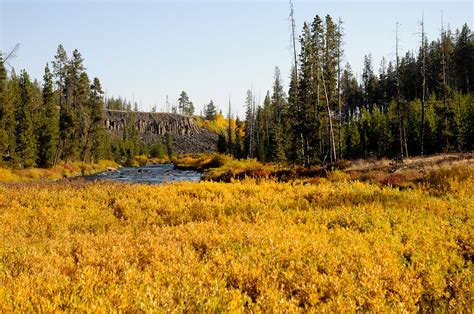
(328, 244)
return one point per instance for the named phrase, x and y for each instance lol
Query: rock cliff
(187, 136)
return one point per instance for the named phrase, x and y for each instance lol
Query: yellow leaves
(454, 180)
(218, 125)
(253, 245)
(62, 170)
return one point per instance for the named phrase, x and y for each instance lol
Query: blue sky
(145, 50)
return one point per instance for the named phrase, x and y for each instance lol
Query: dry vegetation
(256, 245)
(60, 171)
(384, 172)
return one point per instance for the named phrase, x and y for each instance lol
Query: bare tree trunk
(443, 63)
(423, 84)
(339, 101)
(400, 123)
(293, 37)
(332, 144)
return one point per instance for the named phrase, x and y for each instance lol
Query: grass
(200, 162)
(254, 245)
(60, 171)
(143, 160)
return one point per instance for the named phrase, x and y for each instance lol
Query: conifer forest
(421, 103)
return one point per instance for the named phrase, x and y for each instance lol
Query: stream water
(153, 174)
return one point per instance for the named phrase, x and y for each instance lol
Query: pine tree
(339, 53)
(260, 135)
(278, 151)
(49, 124)
(59, 73)
(11, 99)
(352, 141)
(250, 126)
(464, 60)
(279, 105)
(26, 141)
(190, 110)
(210, 111)
(330, 60)
(266, 123)
(3, 109)
(306, 118)
(238, 140)
(185, 106)
(221, 143)
(96, 133)
(77, 98)
(370, 84)
(294, 114)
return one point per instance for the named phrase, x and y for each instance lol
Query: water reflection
(153, 174)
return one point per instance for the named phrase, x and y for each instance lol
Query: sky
(147, 50)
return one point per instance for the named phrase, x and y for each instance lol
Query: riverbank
(407, 174)
(60, 171)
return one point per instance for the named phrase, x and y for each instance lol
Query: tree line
(62, 118)
(421, 103)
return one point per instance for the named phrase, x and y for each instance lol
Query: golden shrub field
(59, 171)
(250, 245)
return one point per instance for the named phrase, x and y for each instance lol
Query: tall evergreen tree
(77, 93)
(250, 126)
(276, 145)
(11, 100)
(295, 151)
(210, 111)
(185, 106)
(3, 109)
(97, 130)
(464, 60)
(25, 137)
(238, 140)
(49, 124)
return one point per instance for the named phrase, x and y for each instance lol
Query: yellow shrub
(142, 160)
(7, 175)
(456, 179)
(61, 170)
(250, 246)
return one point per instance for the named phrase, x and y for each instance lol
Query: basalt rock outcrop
(153, 127)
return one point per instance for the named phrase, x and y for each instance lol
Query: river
(152, 174)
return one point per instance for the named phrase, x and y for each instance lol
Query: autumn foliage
(257, 245)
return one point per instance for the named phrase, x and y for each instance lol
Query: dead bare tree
(339, 100)
(12, 54)
(332, 143)
(293, 37)
(423, 83)
(400, 126)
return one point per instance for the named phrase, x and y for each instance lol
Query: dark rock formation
(187, 136)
